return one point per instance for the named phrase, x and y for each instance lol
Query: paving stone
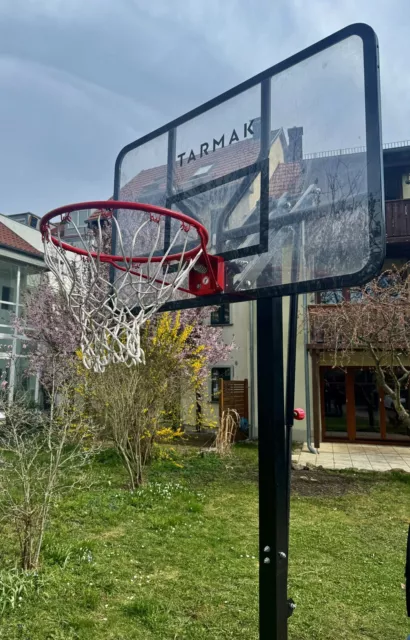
(326, 448)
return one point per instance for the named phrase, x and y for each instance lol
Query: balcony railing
(318, 336)
(398, 220)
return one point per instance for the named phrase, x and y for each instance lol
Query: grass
(177, 560)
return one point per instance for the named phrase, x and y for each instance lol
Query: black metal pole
(291, 366)
(273, 522)
(171, 158)
(407, 574)
(290, 396)
(273, 609)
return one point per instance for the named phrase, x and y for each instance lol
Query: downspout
(307, 378)
(305, 352)
(252, 369)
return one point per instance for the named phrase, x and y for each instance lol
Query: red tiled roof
(11, 240)
(222, 161)
(286, 178)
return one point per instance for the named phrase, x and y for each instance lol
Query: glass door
(354, 408)
(367, 405)
(334, 403)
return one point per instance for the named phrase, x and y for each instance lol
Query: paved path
(356, 456)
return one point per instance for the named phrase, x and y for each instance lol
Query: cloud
(82, 78)
(61, 135)
(251, 38)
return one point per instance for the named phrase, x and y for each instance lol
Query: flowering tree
(205, 348)
(376, 321)
(54, 337)
(134, 405)
(55, 341)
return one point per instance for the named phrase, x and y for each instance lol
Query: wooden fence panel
(234, 395)
(397, 219)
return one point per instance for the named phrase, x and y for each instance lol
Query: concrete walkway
(356, 456)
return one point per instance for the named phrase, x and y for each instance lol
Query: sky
(79, 79)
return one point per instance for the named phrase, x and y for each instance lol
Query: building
(347, 403)
(341, 403)
(21, 263)
(29, 219)
(290, 172)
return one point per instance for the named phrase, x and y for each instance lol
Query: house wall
(15, 280)
(242, 332)
(248, 202)
(299, 427)
(236, 332)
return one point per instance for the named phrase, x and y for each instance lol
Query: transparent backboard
(284, 171)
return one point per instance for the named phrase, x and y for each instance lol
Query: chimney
(295, 148)
(256, 126)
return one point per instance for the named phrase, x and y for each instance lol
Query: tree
(205, 348)
(376, 321)
(45, 453)
(131, 403)
(54, 337)
(134, 404)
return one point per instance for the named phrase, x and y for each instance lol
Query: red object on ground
(299, 414)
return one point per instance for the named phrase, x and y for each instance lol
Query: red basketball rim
(112, 205)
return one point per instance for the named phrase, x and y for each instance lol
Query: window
(203, 170)
(356, 295)
(331, 297)
(78, 218)
(217, 374)
(6, 297)
(393, 183)
(221, 315)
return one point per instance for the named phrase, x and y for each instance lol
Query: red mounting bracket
(204, 283)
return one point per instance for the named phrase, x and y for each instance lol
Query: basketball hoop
(112, 294)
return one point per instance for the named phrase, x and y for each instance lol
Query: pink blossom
(55, 336)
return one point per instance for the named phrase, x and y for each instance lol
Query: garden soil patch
(321, 483)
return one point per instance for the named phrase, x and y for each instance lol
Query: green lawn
(178, 559)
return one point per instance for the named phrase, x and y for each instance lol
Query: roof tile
(11, 240)
(222, 161)
(286, 178)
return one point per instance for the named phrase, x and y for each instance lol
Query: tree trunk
(198, 412)
(402, 416)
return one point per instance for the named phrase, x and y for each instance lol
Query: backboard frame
(275, 420)
(374, 175)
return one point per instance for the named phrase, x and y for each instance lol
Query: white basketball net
(110, 314)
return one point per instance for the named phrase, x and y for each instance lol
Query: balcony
(318, 337)
(398, 221)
